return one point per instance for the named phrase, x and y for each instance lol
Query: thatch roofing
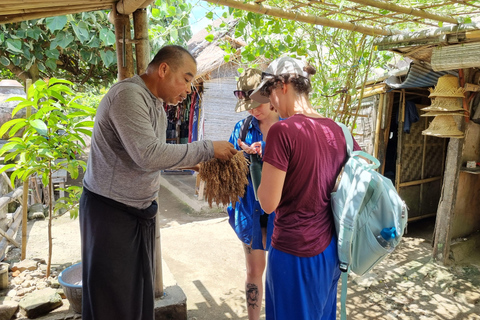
(208, 54)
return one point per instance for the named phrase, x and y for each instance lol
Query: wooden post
(446, 207)
(142, 50)
(124, 45)
(378, 125)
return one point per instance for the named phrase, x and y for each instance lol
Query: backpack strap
(244, 127)
(348, 138)
(344, 276)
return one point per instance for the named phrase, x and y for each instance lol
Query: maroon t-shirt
(312, 152)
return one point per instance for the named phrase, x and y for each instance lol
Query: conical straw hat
(447, 86)
(445, 104)
(444, 113)
(443, 126)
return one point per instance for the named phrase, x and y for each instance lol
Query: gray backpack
(370, 217)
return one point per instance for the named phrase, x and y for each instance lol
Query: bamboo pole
(10, 239)
(54, 6)
(129, 6)
(417, 182)
(10, 197)
(48, 13)
(302, 17)
(378, 125)
(46, 3)
(28, 111)
(142, 50)
(407, 10)
(386, 132)
(124, 48)
(427, 36)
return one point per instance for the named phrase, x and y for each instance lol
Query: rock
(12, 293)
(8, 309)
(16, 273)
(25, 265)
(38, 215)
(41, 261)
(40, 302)
(53, 283)
(37, 207)
(61, 293)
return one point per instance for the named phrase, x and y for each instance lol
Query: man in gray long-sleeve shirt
(118, 207)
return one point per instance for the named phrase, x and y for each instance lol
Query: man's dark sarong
(118, 244)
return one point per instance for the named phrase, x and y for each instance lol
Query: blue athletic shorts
(302, 288)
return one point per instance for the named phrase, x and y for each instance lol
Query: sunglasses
(243, 95)
(266, 74)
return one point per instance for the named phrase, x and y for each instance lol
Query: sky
(200, 8)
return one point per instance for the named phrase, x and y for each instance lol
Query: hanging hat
(443, 113)
(246, 84)
(447, 86)
(443, 126)
(445, 104)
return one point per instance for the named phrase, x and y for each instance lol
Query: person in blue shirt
(252, 225)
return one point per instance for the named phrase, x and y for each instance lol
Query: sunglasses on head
(243, 95)
(266, 74)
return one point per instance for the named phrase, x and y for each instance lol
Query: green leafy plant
(76, 47)
(47, 141)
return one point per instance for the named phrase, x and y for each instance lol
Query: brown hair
(301, 84)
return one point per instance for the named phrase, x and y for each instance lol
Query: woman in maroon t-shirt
(302, 159)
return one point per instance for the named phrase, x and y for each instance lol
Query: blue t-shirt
(245, 217)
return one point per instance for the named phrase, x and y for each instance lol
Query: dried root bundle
(225, 180)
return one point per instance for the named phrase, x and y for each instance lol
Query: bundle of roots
(225, 180)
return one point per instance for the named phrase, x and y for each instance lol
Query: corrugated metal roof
(420, 75)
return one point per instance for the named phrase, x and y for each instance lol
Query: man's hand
(223, 150)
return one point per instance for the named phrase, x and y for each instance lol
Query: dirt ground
(406, 285)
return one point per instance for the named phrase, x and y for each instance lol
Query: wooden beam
(8, 5)
(302, 17)
(407, 10)
(129, 6)
(48, 13)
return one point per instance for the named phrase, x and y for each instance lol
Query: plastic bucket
(71, 281)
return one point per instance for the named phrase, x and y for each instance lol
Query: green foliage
(92, 98)
(341, 58)
(76, 47)
(52, 136)
(168, 24)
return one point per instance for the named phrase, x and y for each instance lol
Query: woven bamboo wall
(421, 154)
(365, 129)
